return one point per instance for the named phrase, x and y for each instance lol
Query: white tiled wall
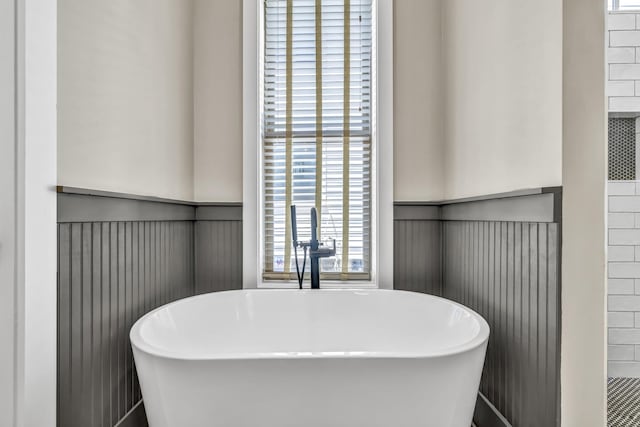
(624, 203)
(624, 62)
(624, 279)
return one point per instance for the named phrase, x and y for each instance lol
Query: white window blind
(316, 132)
(622, 5)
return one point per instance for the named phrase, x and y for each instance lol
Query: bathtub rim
(479, 340)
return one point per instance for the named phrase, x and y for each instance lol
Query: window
(317, 120)
(623, 5)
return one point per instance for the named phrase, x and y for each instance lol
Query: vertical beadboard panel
(64, 323)
(417, 256)
(218, 254)
(105, 325)
(509, 273)
(109, 275)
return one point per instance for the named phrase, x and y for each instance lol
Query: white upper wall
(418, 120)
(125, 105)
(418, 99)
(151, 97)
(217, 101)
(623, 57)
(503, 96)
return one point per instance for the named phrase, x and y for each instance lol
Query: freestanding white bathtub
(279, 358)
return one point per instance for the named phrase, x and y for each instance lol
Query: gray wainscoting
(218, 248)
(509, 273)
(501, 257)
(417, 233)
(110, 274)
(120, 256)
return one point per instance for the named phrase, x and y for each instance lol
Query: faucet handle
(332, 251)
(324, 251)
(314, 228)
(294, 226)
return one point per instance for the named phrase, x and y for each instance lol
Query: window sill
(325, 284)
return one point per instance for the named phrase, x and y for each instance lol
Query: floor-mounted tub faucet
(316, 249)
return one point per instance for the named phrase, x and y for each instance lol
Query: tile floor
(623, 402)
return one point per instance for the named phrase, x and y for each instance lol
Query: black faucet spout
(316, 251)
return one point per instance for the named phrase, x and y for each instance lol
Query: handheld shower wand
(294, 238)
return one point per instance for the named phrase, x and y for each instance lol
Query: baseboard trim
(486, 415)
(136, 417)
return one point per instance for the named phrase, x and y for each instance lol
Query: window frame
(382, 148)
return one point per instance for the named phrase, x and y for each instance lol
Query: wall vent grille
(622, 149)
